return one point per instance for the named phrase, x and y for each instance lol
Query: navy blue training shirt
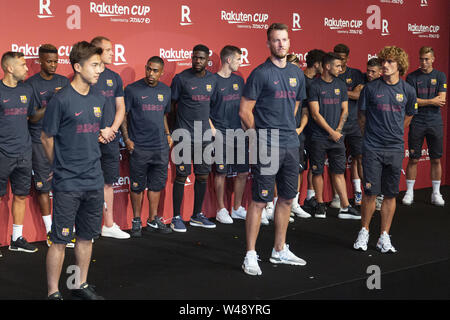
(193, 96)
(16, 104)
(110, 86)
(352, 78)
(330, 96)
(428, 86)
(225, 102)
(146, 107)
(276, 91)
(74, 121)
(43, 91)
(298, 116)
(385, 107)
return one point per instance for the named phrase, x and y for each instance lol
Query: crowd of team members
(51, 129)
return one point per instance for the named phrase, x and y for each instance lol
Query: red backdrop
(140, 29)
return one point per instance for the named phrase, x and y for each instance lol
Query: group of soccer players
(66, 133)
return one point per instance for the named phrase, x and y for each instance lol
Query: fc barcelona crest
(235, 86)
(97, 112)
(293, 82)
(433, 82)
(23, 99)
(399, 97)
(208, 87)
(348, 80)
(160, 97)
(109, 82)
(337, 92)
(264, 193)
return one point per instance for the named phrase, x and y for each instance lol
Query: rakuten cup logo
(185, 16)
(244, 20)
(44, 10)
(32, 52)
(119, 13)
(424, 31)
(344, 26)
(296, 22)
(181, 56)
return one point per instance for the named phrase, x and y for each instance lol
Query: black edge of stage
(204, 265)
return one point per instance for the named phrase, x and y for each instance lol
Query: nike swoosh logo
(42, 92)
(380, 95)
(193, 88)
(419, 82)
(221, 89)
(276, 82)
(144, 97)
(5, 101)
(78, 113)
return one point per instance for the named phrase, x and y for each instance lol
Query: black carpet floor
(205, 264)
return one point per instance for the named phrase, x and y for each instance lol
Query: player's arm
(407, 121)
(246, 113)
(38, 115)
(320, 120)
(354, 94)
(48, 145)
(211, 125)
(438, 101)
(303, 120)
(120, 114)
(344, 116)
(167, 131)
(129, 144)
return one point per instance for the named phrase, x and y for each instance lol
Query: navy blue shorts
(83, 209)
(110, 161)
(353, 140)
(285, 176)
(18, 171)
(234, 158)
(435, 140)
(335, 152)
(382, 170)
(41, 169)
(148, 169)
(183, 169)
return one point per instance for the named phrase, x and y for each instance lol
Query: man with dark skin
(191, 95)
(45, 84)
(146, 136)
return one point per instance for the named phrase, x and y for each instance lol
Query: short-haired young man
(373, 70)
(110, 86)
(353, 79)
(70, 136)
(45, 84)
(271, 98)
(17, 105)
(386, 107)
(146, 135)
(328, 101)
(191, 99)
(225, 115)
(431, 89)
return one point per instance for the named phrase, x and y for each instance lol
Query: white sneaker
(114, 232)
(408, 198)
(285, 256)
(250, 265)
(336, 202)
(384, 243)
(224, 216)
(362, 240)
(299, 212)
(264, 219)
(437, 199)
(291, 219)
(378, 202)
(240, 213)
(270, 210)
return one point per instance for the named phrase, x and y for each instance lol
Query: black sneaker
(157, 225)
(321, 211)
(86, 292)
(55, 296)
(351, 213)
(21, 244)
(310, 205)
(136, 228)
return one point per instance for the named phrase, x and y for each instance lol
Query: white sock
(357, 185)
(310, 194)
(47, 222)
(17, 232)
(410, 186)
(336, 196)
(436, 186)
